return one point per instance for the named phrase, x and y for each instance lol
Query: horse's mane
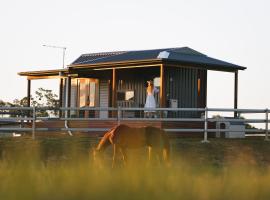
(105, 140)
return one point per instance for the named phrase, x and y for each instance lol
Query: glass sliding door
(88, 95)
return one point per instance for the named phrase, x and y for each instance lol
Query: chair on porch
(127, 104)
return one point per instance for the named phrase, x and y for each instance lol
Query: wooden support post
(28, 113)
(114, 87)
(205, 88)
(162, 87)
(61, 93)
(162, 95)
(235, 92)
(114, 114)
(69, 93)
(28, 93)
(60, 96)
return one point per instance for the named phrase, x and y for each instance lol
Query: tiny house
(118, 79)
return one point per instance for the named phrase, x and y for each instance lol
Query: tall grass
(60, 168)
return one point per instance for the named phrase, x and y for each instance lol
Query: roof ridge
(187, 51)
(104, 53)
(126, 51)
(105, 56)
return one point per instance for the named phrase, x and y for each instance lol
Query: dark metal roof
(180, 55)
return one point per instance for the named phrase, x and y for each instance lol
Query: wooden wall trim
(113, 87)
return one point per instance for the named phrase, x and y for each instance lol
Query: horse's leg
(158, 154)
(149, 154)
(114, 155)
(124, 155)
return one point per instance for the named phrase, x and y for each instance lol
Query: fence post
(266, 125)
(118, 115)
(34, 123)
(205, 126)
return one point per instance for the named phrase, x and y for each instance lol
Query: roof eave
(158, 61)
(43, 72)
(121, 63)
(207, 66)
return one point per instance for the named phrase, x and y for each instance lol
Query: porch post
(60, 96)
(61, 93)
(113, 87)
(162, 87)
(235, 92)
(68, 93)
(28, 92)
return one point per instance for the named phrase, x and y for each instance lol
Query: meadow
(62, 168)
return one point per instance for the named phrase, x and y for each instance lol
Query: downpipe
(66, 105)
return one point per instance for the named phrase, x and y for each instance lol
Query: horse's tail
(166, 147)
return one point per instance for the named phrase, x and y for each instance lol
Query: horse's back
(129, 137)
(153, 136)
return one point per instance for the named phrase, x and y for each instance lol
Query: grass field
(61, 168)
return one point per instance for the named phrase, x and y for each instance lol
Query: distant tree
(45, 98)
(21, 102)
(11, 113)
(2, 103)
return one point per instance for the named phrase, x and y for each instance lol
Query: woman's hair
(150, 86)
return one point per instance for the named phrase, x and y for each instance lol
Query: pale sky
(236, 31)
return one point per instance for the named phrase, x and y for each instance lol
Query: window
(157, 82)
(127, 95)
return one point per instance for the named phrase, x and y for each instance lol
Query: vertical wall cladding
(181, 84)
(138, 86)
(73, 95)
(135, 79)
(104, 97)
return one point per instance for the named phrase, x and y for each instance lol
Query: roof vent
(163, 54)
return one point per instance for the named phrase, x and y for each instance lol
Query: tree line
(41, 98)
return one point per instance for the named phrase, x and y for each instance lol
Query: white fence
(21, 115)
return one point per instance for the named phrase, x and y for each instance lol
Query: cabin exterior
(118, 79)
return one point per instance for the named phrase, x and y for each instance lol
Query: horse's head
(96, 156)
(95, 153)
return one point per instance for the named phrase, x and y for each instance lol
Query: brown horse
(123, 137)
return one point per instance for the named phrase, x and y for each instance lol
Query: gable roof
(184, 55)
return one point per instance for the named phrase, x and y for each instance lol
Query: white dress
(150, 99)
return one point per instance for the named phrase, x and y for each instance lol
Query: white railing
(22, 115)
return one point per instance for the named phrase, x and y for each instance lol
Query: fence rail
(31, 114)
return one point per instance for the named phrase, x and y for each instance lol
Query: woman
(150, 99)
